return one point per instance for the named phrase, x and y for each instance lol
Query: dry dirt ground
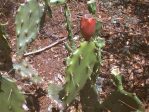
(125, 29)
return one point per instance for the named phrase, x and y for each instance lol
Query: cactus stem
(69, 26)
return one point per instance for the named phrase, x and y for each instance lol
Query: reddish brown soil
(125, 29)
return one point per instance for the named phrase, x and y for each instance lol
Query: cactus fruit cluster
(27, 21)
(11, 100)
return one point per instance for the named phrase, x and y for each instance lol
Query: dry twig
(45, 48)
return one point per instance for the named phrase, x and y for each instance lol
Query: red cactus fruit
(87, 26)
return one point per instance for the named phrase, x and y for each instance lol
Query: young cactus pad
(27, 21)
(10, 98)
(79, 70)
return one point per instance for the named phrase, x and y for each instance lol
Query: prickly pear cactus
(26, 71)
(79, 70)
(121, 100)
(27, 21)
(10, 98)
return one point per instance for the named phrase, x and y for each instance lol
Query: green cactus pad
(10, 98)
(79, 70)
(27, 22)
(26, 71)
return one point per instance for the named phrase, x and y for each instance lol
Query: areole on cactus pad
(87, 26)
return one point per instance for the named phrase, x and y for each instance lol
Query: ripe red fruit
(87, 26)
